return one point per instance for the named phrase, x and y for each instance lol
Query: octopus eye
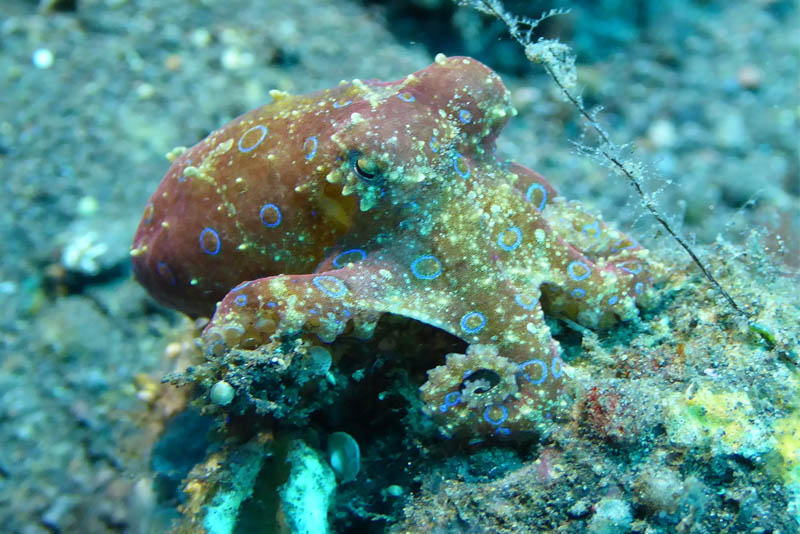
(364, 167)
(480, 381)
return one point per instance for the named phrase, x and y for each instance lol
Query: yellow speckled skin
(316, 214)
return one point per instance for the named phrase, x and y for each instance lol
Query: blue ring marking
(571, 270)
(421, 276)
(240, 300)
(359, 251)
(263, 211)
(320, 280)
(503, 431)
(613, 300)
(635, 270)
(578, 293)
(516, 242)
(614, 248)
(475, 329)
(406, 97)
(465, 116)
(537, 187)
(495, 422)
(148, 216)
(594, 226)
(209, 231)
(450, 400)
(557, 367)
(241, 286)
(456, 159)
(518, 299)
(434, 144)
(165, 272)
(271, 304)
(264, 130)
(338, 104)
(639, 287)
(542, 366)
(313, 152)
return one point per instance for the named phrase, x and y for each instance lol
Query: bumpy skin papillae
(324, 211)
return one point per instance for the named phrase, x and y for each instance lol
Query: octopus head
(406, 138)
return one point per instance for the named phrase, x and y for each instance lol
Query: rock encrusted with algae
(688, 418)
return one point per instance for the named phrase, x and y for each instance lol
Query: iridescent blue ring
(516, 242)
(542, 366)
(338, 258)
(165, 272)
(495, 422)
(264, 130)
(263, 212)
(149, 210)
(421, 276)
(594, 226)
(537, 187)
(451, 399)
(475, 329)
(456, 159)
(571, 270)
(210, 231)
(314, 144)
(518, 299)
(556, 367)
(615, 249)
(635, 268)
(319, 281)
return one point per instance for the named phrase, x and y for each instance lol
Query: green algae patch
(787, 433)
(726, 422)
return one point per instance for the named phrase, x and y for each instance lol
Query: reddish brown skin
(403, 175)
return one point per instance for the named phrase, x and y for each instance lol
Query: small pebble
(579, 509)
(42, 58)
(145, 91)
(662, 133)
(394, 490)
(172, 62)
(749, 77)
(233, 59)
(200, 38)
(87, 206)
(222, 393)
(611, 516)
